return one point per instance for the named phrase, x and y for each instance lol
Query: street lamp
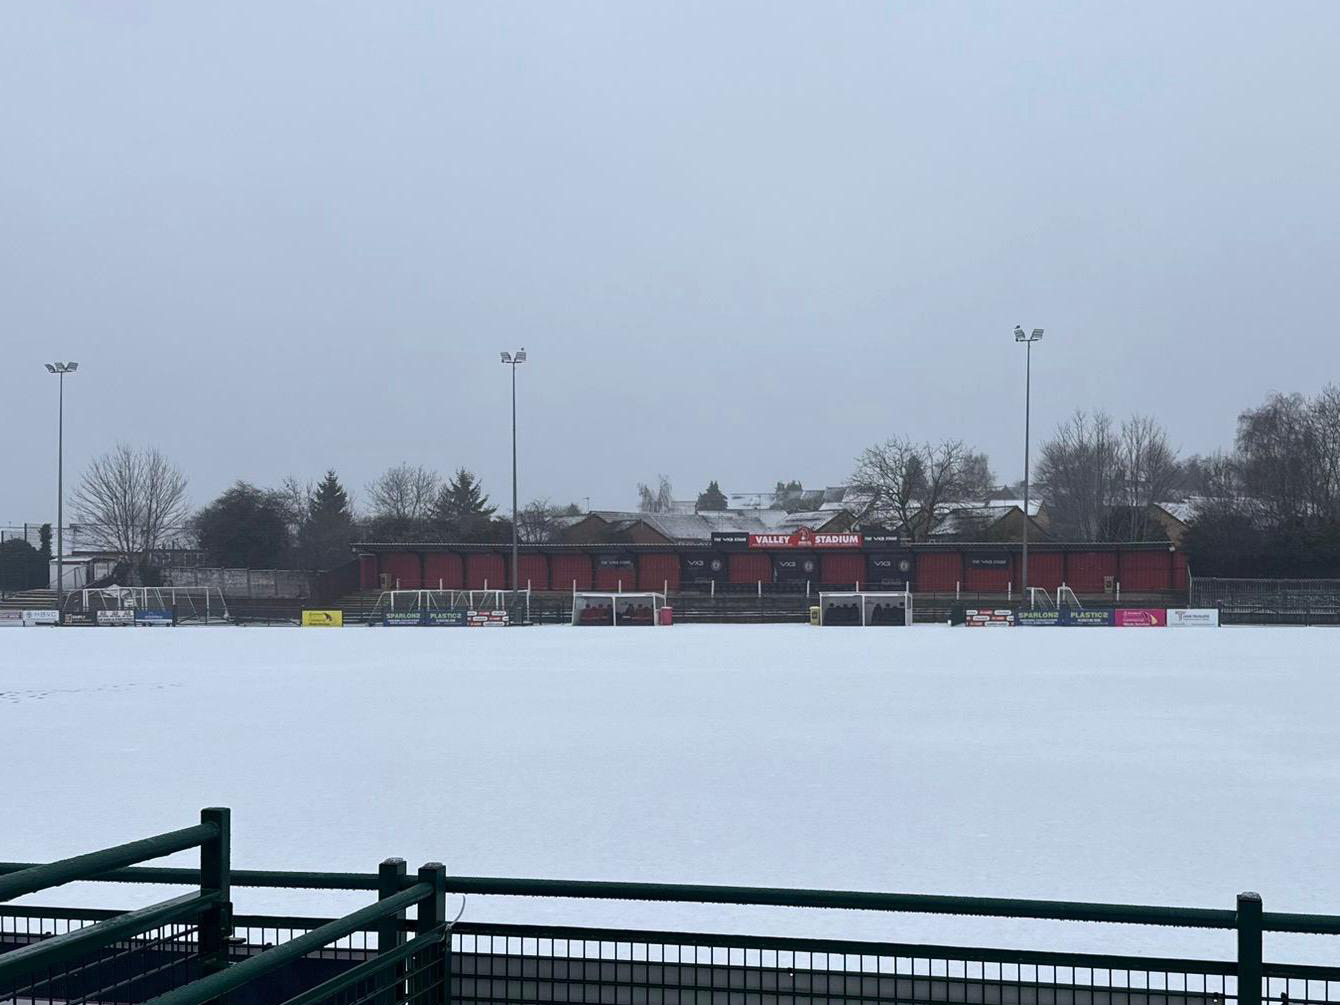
(1027, 339)
(514, 361)
(60, 369)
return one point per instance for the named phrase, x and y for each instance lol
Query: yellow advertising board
(323, 619)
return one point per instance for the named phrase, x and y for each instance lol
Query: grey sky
(739, 239)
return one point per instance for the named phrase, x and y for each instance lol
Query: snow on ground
(1156, 766)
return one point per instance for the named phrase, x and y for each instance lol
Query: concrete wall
(248, 584)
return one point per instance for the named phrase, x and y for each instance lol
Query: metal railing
(193, 950)
(1269, 601)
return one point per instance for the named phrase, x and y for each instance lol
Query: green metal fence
(193, 950)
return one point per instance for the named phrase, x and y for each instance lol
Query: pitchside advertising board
(988, 617)
(150, 618)
(446, 619)
(1064, 618)
(1193, 617)
(116, 619)
(1140, 617)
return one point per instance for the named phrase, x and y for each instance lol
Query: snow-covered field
(1155, 766)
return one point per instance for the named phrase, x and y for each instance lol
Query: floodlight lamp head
(506, 357)
(50, 368)
(1037, 334)
(71, 366)
(521, 355)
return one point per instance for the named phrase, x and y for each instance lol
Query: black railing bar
(52, 951)
(832, 947)
(369, 968)
(217, 984)
(1301, 971)
(910, 903)
(913, 903)
(274, 878)
(41, 877)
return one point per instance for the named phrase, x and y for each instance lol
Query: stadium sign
(151, 618)
(989, 562)
(117, 619)
(804, 538)
(11, 619)
(730, 539)
(44, 617)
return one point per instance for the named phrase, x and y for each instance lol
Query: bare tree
(296, 497)
(1078, 476)
(909, 484)
(404, 494)
(537, 522)
(1149, 471)
(128, 501)
(659, 501)
(1289, 457)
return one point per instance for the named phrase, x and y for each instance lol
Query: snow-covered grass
(1140, 766)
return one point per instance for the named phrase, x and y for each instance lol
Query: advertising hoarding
(1193, 617)
(1140, 617)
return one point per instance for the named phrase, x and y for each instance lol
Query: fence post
(216, 924)
(1249, 948)
(389, 933)
(432, 912)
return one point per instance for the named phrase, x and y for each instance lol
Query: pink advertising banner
(1140, 617)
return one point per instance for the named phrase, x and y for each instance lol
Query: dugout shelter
(866, 609)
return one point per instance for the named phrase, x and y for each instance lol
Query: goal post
(612, 609)
(402, 606)
(186, 605)
(866, 609)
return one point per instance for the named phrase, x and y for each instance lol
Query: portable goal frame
(865, 603)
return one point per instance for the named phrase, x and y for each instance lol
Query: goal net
(404, 606)
(617, 608)
(893, 608)
(180, 605)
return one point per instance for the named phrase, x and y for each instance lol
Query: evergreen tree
(330, 501)
(712, 498)
(462, 509)
(328, 530)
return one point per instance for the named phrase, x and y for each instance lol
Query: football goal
(201, 605)
(866, 609)
(400, 604)
(617, 608)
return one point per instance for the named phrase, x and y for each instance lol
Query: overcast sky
(740, 240)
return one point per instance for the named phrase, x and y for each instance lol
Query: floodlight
(50, 368)
(72, 367)
(506, 357)
(1037, 334)
(1019, 334)
(521, 356)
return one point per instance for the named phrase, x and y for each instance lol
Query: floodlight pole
(513, 360)
(514, 500)
(1027, 340)
(60, 370)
